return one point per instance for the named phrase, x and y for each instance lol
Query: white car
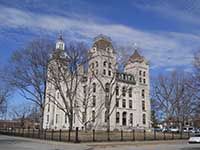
(195, 139)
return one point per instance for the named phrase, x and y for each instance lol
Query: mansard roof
(125, 77)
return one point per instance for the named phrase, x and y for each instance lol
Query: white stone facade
(130, 102)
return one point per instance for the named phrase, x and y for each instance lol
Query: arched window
(144, 74)
(110, 65)
(144, 81)
(94, 87)
(140, 72)
(117, 117)
(130, 92)
(104, 71)
(117, 90)
(144, 118)
(107, 87)
(143, 94)
(104, 63)
(131, 118)
(124, 118)
(97, 64)
(123, 91)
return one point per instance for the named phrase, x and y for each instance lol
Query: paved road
(16, 143)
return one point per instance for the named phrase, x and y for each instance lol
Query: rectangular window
(110, 65)
(144, 81)
(117, 117)
(93, 116)
(83, 117)
(109, 73)
(130, 104)
(144, 119)
(48, 108)
(117, 102)
(131, 118)
(124, 91)
(65, 117)
(140, 72)
(130, 92)
(57, 118)
(140, 80)
(104, 72)
(94, 101)
(117, 90)
(124, 103)
(143, 94)
(143, 105)
(47, 118)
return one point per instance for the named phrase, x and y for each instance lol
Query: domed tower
(138, 66)
(102, 56)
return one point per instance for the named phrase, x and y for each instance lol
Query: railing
(94, 135)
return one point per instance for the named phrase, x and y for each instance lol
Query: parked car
(157, 129)
(194, 139)
(165, 130)
(174, 129)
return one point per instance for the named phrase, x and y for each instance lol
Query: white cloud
(161, 48)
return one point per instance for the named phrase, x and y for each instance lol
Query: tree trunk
(41, 118)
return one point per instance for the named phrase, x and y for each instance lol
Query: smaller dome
(102, 42)
(136, 57)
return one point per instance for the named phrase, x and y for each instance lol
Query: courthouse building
(130, 101)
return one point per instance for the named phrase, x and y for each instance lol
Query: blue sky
(166, 31)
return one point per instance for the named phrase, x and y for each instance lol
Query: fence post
(133, 135)
(181, 134)
(164, 136)
(52, 134)
(144, 135)
(60, 135)
(154, 135)
(33, 133)
(23, 131)
(188, 134)
(121, 135)
(39, 133)
(69, 135)
(108, 135)
(28, 132)
(93, 135)
(76, 136)
(45, 132)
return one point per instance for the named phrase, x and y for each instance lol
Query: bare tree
(20, 113)
(27, 71)
(65, 73)
(174, 98)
